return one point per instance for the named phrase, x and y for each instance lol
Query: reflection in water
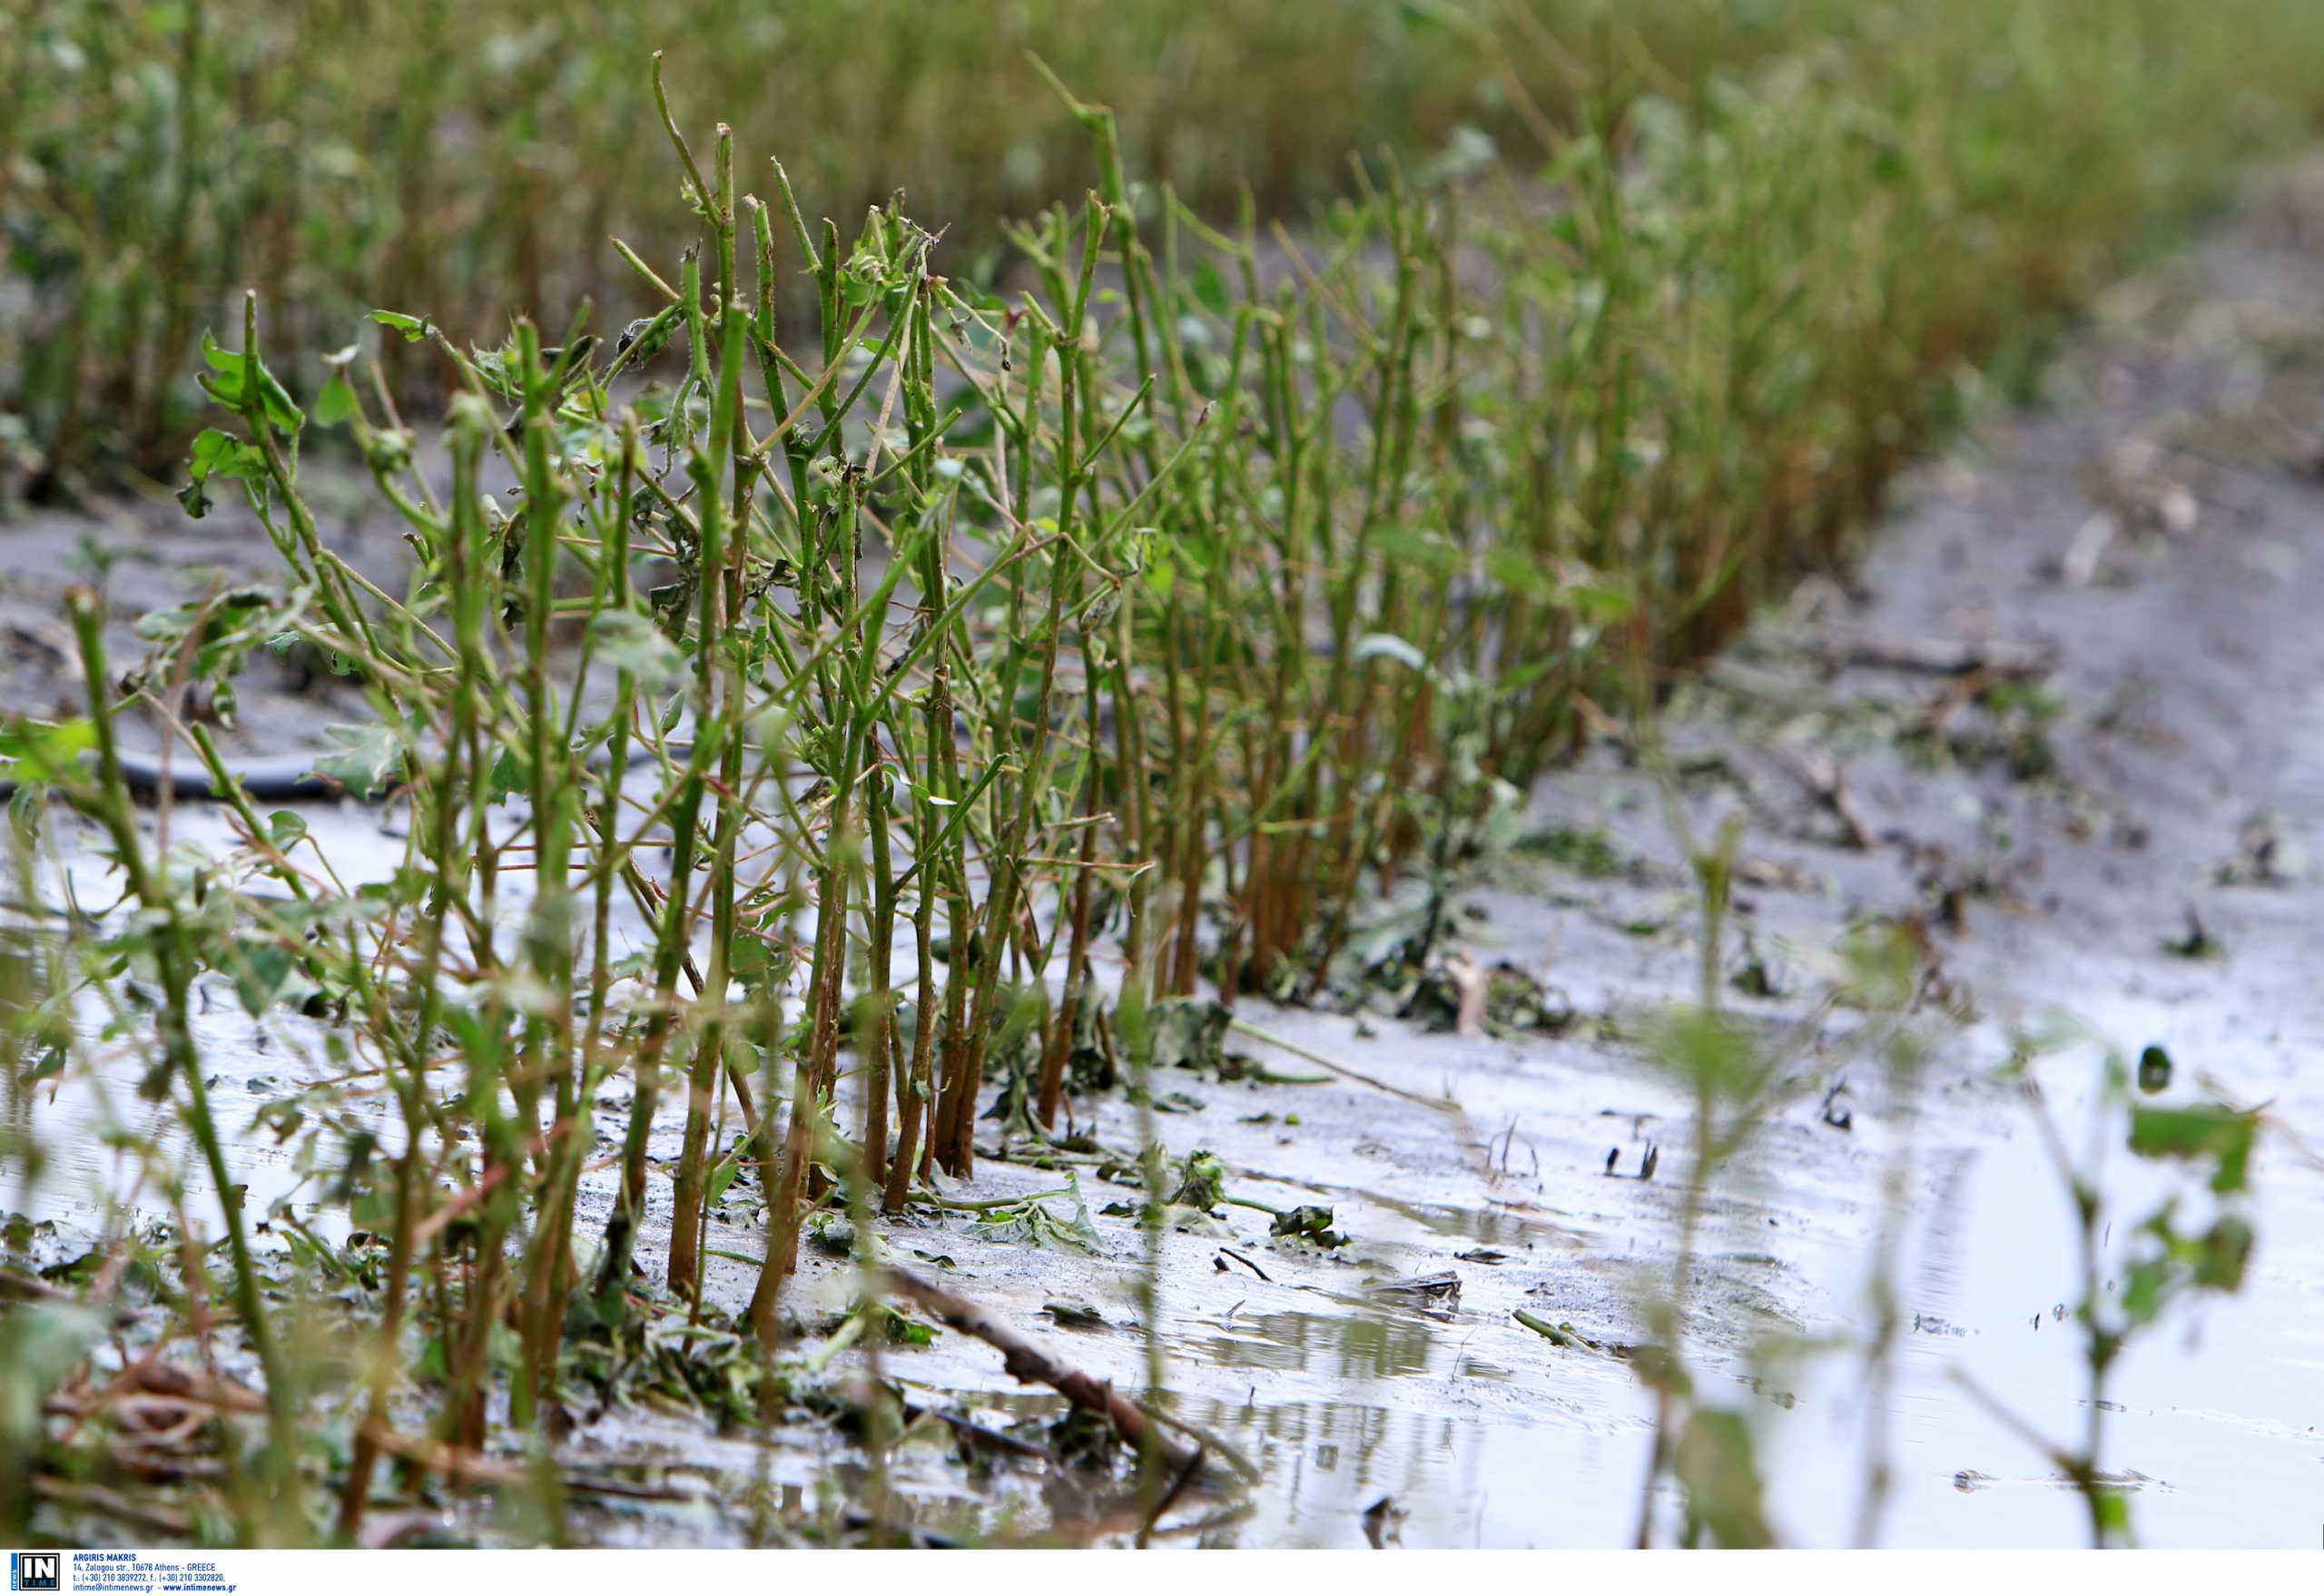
(104, 1151)
(1462, 1481)
(1492, 1228)
(1359, 1346)
(2217, 1424)
(1394, 1417)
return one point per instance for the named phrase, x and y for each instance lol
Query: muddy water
(2185, 703)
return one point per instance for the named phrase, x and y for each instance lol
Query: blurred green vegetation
(472, 161)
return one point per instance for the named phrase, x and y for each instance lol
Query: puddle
(1496, 1230)
(1354, 1346)
(2226, 1410)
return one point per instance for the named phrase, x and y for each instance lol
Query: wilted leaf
(1034, 1224)
(1187, 1033)
(1202, 1179)
(1310, 1223)
(366, 759)
(413, 328)
(629, 642)
(1078, 1315)
(224, 380)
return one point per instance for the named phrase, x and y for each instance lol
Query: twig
(1942, 656)
(1211, 1441)
(1247, 1262)
(2024, 1432)
(1169, 1498)
(1823, 777)
(1033, 1365)
(1442, 1105)
(983, 1435)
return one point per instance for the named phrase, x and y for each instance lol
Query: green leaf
(2206, 1130)
(2224, 1253)
(228, 368)
(512, 773)
(2142, 1289)
(629, 642)
(335, 405)
(1210, 289)
(1161, 573)
(42, 751)
(722, 1176)
(367, 758)
(903, 1331)
(413, 328)
(218, 453)
(1519, 572)
(1604, 600)
(1714, 1053)
(262, 974)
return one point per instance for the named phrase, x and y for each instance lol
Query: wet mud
(2151, 535)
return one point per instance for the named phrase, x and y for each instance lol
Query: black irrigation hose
(263, 776)
(282, 778)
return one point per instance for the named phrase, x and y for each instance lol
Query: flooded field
(2119, 840)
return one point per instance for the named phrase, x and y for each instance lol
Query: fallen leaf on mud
(1443, 1289)
(1187, 1033)
(1825, 778)
(1310, 1223)
(1075, 1314)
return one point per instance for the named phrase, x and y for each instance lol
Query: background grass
(470, 160)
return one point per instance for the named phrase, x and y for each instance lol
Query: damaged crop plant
(843, 687)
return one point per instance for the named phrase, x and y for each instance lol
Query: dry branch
(1942, 656)
(1035, 1366)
